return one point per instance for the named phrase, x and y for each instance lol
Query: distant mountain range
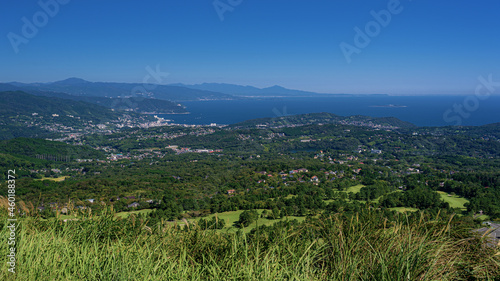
(80, 87)
(172, 92)
(250, 91)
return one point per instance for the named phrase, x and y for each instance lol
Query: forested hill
(29, 154)
(39, 148)
(25, 115)
(324, 118)
(21, 103)
(490, 129)
(138, 104)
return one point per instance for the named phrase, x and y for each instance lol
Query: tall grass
(364, 246)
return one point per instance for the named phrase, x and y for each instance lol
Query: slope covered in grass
(361, 246)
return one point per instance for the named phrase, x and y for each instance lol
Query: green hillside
(26, 115)
(323, 118)
(21, 103)
(33, 147)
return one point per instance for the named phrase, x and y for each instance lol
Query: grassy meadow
(455, 201)
(403, 209)
(354, 189)
(58, 179)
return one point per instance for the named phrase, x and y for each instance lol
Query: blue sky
(428, 47)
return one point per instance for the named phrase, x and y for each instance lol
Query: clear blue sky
(428, 47)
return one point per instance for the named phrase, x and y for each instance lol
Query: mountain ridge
(79, 87)
(272, 91)
(177, 92)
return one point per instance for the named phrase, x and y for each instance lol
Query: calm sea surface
(419, 110)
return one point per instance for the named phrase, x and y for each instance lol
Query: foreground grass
(364, 246)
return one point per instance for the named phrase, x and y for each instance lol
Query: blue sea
(419, 110)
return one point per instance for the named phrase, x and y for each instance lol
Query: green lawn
(53, 179)
(454, 201)
(229, 217)
(483, 217)
(404, 209)
(354, 189)
(126, 214)
(234, 216)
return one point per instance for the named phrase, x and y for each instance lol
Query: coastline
(171, 113)
(389, 106)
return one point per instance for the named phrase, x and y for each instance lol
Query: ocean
(419, 110)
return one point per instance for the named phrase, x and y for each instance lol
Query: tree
(275, 213)
(264, 214)
(246, 218)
